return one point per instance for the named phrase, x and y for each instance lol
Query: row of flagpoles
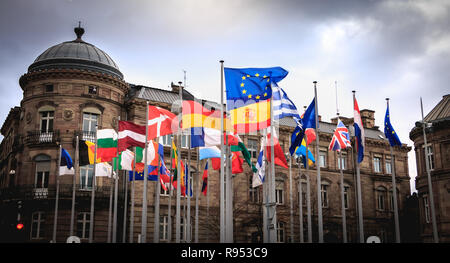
(254, 102)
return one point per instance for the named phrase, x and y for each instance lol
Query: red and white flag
(161, 122)
(130, 134)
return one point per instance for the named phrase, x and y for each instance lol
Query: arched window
(346, 195)
(281, 233)
(279, 192)
(391, 199)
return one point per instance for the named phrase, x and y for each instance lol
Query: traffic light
(19, 226)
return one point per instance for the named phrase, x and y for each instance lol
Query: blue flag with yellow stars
(389, 132)
(252, 83)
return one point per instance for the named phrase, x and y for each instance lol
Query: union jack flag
(341, 138)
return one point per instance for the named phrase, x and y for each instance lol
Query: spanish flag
(195, 115)
(252, 116)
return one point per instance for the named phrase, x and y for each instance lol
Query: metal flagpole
(125, 208)
(222, 172)
(144, 189)
(177, 219)
(229, 195)
(290, 196)
(265, 196)
(91, 224)
(394, 191)
(344, 221)
(430, 188)
(273, 207)
(197, 193)
(184, 225)
(341, 164)
(188, 189)
(157, 195)
(132, 200)
(207, 208)
(319, 194)
(358, 185)
(300, 202)
(308, 193)
(116, 189)
(55, 220)
(111, 190)
(169, 213)
(77, 166)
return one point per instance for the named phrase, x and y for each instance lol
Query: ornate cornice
(72, 74)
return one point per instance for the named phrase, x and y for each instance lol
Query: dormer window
(93, 90)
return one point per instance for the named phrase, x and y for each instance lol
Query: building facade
(74, 88)
(437, 151)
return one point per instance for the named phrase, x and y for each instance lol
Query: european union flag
(389, 132)
(251, 83)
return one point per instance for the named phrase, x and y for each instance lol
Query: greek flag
(282, 105)
(258, 177)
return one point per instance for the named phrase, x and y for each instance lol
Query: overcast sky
(395, 49)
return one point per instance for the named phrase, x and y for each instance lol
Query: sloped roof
(441, 111)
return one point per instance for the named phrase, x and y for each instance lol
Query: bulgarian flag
(106, 145)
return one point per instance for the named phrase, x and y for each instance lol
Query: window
(83, 224)
(42, 171)
(303, 191)
(86, 176)
(37, 225)
(184, 141)
(346, 196)
(426, 207)
(381, 196)
(183, 229)
(324, 194)
(279, 192)
(253, 192)
(323, 158)
(46, 121)
(342, 161)
(92, 90)
(252, 146)
(163, 228)
(429, 154)
(49, 88)
(377, 164)
(388, 166)
(166, 140)
(391, 199)
(280, 233)
(90, 122)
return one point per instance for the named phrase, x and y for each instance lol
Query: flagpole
(196, 195)
(91, 224)
(229, 197)
(132, 200)
(394, 190)
(344, 220)
(319, 194)
(77, 166)
(207, 209)
(125, 209)
(273, 219)
(116, 189)
(184, 226)
(358, 185)
(110, 203)
(169, 213)
(308, 192)
(300, 203)
(430, 188)
(222, 172)
(265, 195)
(177, 219)
(144, 189)
(188, 189)
(157, 196)
(290, 197)
(55, 220)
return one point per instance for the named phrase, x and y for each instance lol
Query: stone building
(74, 86)
(438, 154)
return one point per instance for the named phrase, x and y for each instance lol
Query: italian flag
(106, 145)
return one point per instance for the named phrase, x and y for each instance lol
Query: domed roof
(76, 54)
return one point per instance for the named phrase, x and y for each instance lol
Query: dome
(76, 54)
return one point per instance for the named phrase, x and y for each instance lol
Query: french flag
(359, 132)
